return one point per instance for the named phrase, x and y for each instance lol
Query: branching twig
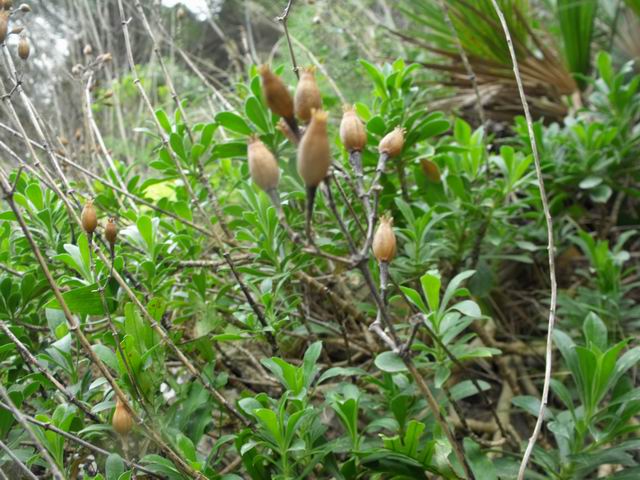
(550, 247)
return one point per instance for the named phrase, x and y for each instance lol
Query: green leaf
(83, 301)
(595, 331)
(481, 466)
(255, 112)
(233, 122)
(230, 149)
(177, 146)
(453, 286)
(163, 120)
(390, 362)
(107, 355)
(114, 467)
(468, 308)
(431, 287)
(187, 448)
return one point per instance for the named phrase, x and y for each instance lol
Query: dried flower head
(308, 96)
(392, 143)
(314, 154)
(87, 50)
(89, 217)
(384, 240)
(276, 93)
(352, 132)
(111, 231)
(263, 166)
(4, 25)
(23, 48)
(122, 421)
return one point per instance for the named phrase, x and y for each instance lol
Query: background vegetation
(213, 337)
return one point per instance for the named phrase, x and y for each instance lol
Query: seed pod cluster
(89, 218)
(392, 143)
(122, 421)
(384, 240)
(263, 166)
(23, 48)
(314, 155)
(352, 132)
(307, 97)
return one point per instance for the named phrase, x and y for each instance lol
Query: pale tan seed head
(392, 143)
(263, 166)
(4, 25)
(384, 240)
(24, 48)
(122, 421)
(276, 93)
(308, 96)
(352, 132)
(89, 217)
(314, 153)
(111, 231)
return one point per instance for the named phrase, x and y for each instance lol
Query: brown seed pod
(314, 155)
(23, 48)
(16, 31)
(111, 231)
(122, 421)
(308, 96)
(24, 8)
(276, 93)
(89, 217)
(263, 166)
(352, 132)
(6, 4)
(384, 240)
(392, 142)
(4, 25)
(430, 169)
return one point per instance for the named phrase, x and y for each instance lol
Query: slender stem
(19, 416)
(550, 247)
(78, 440)
(18, 462)
(435, 409)
(283, 19)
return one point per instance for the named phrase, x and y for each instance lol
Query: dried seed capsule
(263, 166)
(111, 231)
(430, 169)
(24, 8)
(4, 25)
(16, 31)
(23, 48)
(307, 97)
(384, 240)
(89, 217)
(392, 142)
(87, 50)
(122, 421)
(276, 93)
(314, 155)
(352, 133)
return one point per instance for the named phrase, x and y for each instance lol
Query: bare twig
(283, 20)
(550, 247)
(19, 416)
